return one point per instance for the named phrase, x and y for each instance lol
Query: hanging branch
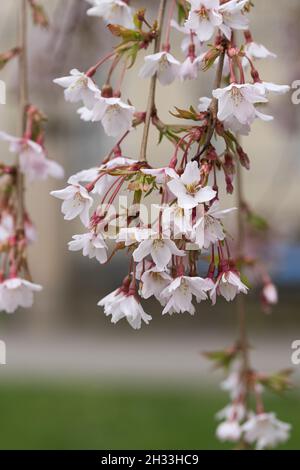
(151, 97)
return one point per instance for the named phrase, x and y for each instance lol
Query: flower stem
(151, 98)
(23, 100)
(213, 109)
(240, 301)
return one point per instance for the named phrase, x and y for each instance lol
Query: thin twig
(23, 101)
(213, 109)
(240, 302)
(151, 98)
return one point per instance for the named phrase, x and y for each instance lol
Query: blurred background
(73, 380)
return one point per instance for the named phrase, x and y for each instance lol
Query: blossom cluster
(166, 251)
(16, 233)
(238, 423)
(181, 253)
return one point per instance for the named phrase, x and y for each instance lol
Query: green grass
(35, 416)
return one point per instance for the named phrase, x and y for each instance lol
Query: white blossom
(232, 17)
(203, 18)
(200, 47)
(177, 220)
(270, 294)
(233, 383)
(233, 411)
(257, 51)
(116, 116)
(133, 235)
(17, 292)
(189, 69)
(208, 228)
(229, 431)
(120, 305)
(204, 104)
(265, 430)
(105, 181)
(78, 87)
(160, 249)
(187, 188)
(154, 281)
(237, 101)
(32, 158)
(91, 244)
(112, 11)
(274, 88)
(179, 294)
(228, 285)
(163, 64)
(77, 201)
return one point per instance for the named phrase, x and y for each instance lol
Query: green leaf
(278, 382)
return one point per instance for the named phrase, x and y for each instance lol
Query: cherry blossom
(160, 249)
(229, 431)
(199, 46)
(133, 235)
(163, 64)
(232, 411)
(270, 294)
(233, 383)
(177, 219)
(237, 101)
(154, 281)
(179, 294)
(208, 228)
(33, 161)
(188, 190)
(120, 305)
(78, 87)
(265, 430)
(91, 244)
(103, 180)
(77, 201)
(115, 116)
(16, 292)
(190, 68)
(258, 51)
(203, 18)
(233, 17)
(112, 11)
(228, 285)
(274, 88)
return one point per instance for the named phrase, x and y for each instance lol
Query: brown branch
(23, 101)
(151, 98)
(240, 301)
(213, 109)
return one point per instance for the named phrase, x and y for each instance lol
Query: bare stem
(23, 101)
(240, 302)
(151, 98)
(213, 107)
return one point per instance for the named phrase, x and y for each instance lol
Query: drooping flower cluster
(28, 162)
(178, 247)
(238, 423)
(17, 232)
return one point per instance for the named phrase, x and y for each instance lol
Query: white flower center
(184, 287)
(163, 63)
(82, 82)
(78, 198)
(192, 188)
(236, 96)
(202, 13)
(158, 243)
